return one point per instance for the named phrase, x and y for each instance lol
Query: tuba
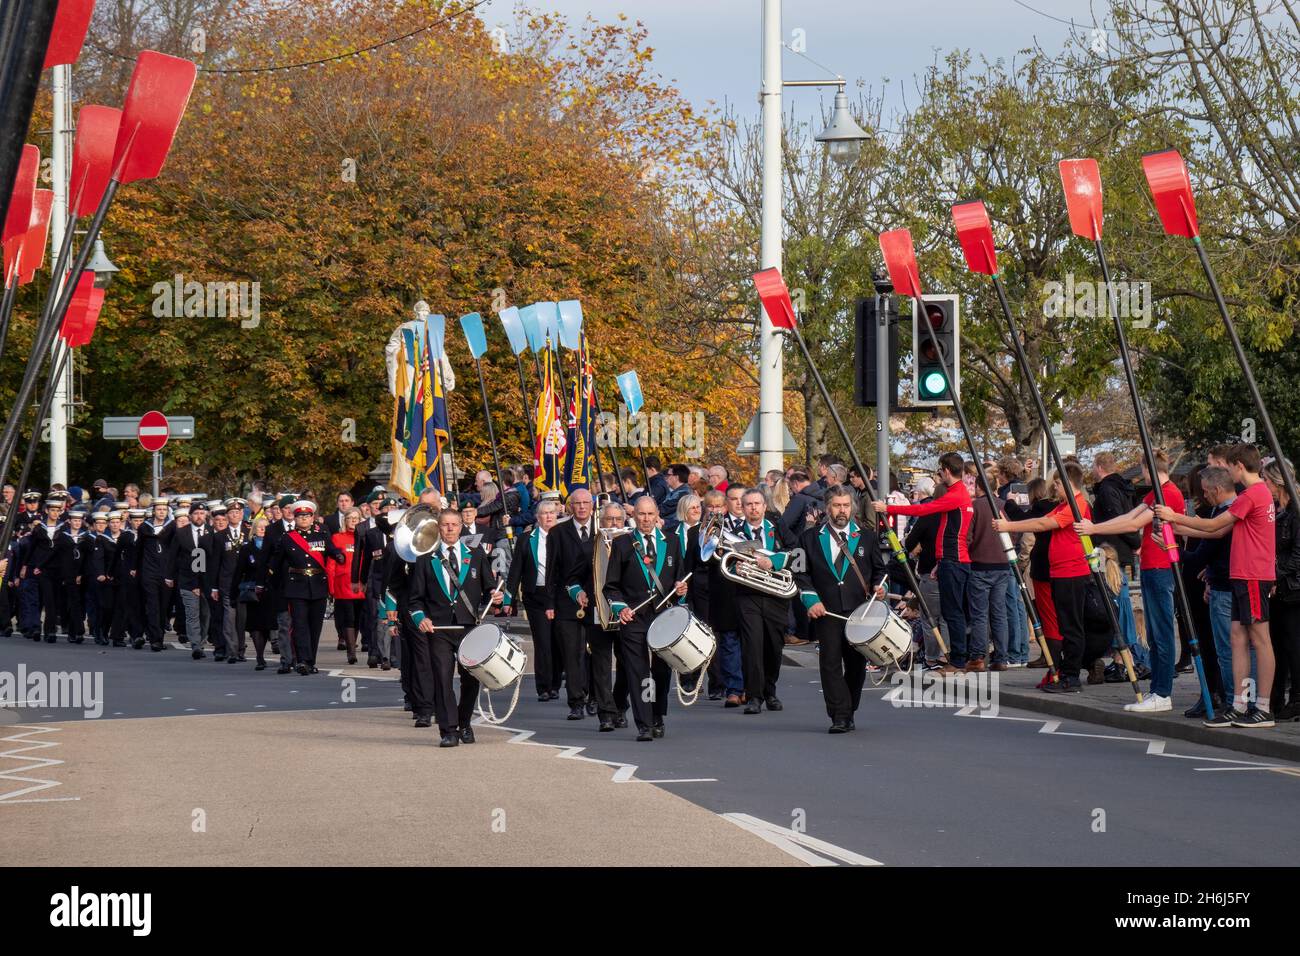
(603, 544)
(416, 532)
(740, 564)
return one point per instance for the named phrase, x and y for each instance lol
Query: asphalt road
(912, 786)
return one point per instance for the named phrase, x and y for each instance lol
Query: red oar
(19, 215)
(900, 260)
(23, 256)
(155, 103)
(1171, 189)
(71, 21)
(774, 295)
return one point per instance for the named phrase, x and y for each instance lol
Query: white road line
(33, 763)
(625, 772)
(801, 846)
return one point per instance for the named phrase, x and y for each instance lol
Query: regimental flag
(551, 450)
(437, 427)
(582, 429)
(404, 363)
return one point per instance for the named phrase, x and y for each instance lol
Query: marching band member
(645, 571)
(299, 561)
(762, 615)
(570, 587)
(713, 600)
(447, 589)
(606, 650)
(843, 563)
(534, 555)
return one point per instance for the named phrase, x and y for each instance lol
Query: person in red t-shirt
(956, 512)
(1068, 570)
(1252, 563)
(1157, 583)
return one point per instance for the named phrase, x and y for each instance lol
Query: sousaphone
(416, 532)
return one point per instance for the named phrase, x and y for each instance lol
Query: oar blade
(1081, 180)
(900, 260)
(774, 295)
(1171, 190)
(155, 102)
(975, 233)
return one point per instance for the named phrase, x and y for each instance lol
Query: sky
(711, 48)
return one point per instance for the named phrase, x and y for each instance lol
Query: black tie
(454, 566)
(583, 531)
(650, 549)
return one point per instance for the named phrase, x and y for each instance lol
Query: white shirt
(835, 544)
(444, 566)
(541, 557)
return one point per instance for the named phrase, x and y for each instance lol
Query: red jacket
(340, 572)
(955, 516)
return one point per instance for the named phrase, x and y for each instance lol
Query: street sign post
(152, 430)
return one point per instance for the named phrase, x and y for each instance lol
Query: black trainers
(1225, 718)
(1254, 718)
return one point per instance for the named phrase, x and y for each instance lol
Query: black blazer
(190, 572)
(818, 582)
(522, 577)
(431, 599)
(626, 582)
(572, 570)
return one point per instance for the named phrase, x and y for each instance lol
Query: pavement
(330, 770)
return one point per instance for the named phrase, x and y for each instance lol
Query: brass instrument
(739, 563)
(603, 544)
(416, 532)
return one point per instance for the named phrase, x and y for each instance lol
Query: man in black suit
(842, 562)
(336, 522)
(571, 592)
(447, 589)
(762, 615)
(645, 568)
(223, 546)
(713, 601)
(533, 560)
(191, 561)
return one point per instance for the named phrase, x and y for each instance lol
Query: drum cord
(700, 679)
(884, 671)
(489, 716)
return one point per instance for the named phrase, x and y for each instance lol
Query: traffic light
(867, 326)
(930, 383)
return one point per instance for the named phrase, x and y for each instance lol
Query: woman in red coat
(349, 597)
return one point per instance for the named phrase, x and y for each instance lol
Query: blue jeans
(729, 661)
(1127, 623)
(1017, 625)
(987, 599)
(953, 580)
(1221, 625)
(1158, 606)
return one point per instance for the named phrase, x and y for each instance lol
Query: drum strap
(645, 563)
(843, 542)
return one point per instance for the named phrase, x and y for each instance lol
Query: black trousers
(126, 612)
(603, 644)
(1069, 595)
(451, 713)
(405, 641)
(157, 602)
(50, 600)
(762, 639)
(572, 637)
(308, 616)
(843, 669)
(75, 612)
(545, 663)
(648, 678)
(217, 612)
(420, 662)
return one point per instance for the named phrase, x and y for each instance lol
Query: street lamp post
(844, 138)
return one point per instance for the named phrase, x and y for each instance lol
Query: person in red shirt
(1252, 564)
(953, 505)
(1157, 582)
(348, 598)
(1069, 572)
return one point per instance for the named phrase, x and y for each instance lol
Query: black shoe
(313, 669)
(852, 725)
(657, 730)
(1254, 718)
(303, 670)
(1063, 686)
(218, 657)
(261, 666)
(406, 705)
(197, 655)
(543, 697)
(119, 643)
(754, 706)
(352, 659)
(157, 647)
(774, 703)
(137, 645)
(233, 660)
(424, 721)
(1197, 709)
(449, 740)
(553, 695)
(387, 665)
(620, 723)
(1184, 666)
(576, 712)
(643, 735)
(242, 659)
(50, 639)
(606, 726)
(283, 669)
(372, 662)
(467, 735)
(591, 708)
(1224, 718)
(715, 695)
(839, 727)
(1115, 674)
(341, 647)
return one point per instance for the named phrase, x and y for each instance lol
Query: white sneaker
(1151, 704)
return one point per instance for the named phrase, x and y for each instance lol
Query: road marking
(800, 845)
(33, 763)
(230, 695)
(164, 698)
(625, 772)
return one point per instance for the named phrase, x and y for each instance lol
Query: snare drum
(681, 640)
(489, 654)
(878, 634)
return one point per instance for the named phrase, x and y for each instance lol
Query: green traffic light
(933, 384)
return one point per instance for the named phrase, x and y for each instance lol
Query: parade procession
(905, 483)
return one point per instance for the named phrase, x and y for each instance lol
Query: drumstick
(666, 597)
(672, 594)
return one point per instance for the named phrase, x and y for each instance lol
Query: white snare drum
(878, 634)
(489, 654)
(681, 639)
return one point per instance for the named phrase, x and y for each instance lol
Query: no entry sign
(153, 431)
